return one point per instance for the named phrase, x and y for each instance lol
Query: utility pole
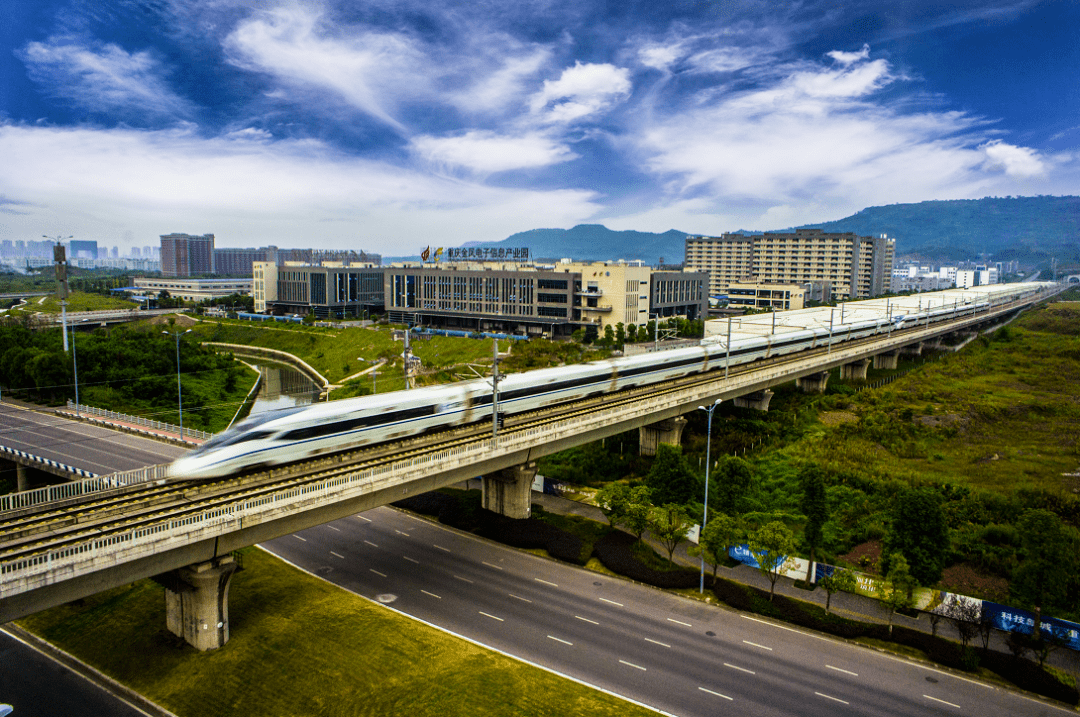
(60, 257)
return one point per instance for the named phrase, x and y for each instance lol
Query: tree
(899, 587)
(733, 479)
(626, 505)
(1041, 580)
(609, 335)
(839, 581)
(631, 333)
(620, 333)
(721, 532)
(670, 478)
(919, 534)
(816, 507)
(772, 545)
(636, 519)
(613, 499)
(965, 615)
(669, 524)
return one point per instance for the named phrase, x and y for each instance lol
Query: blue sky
(390, 126)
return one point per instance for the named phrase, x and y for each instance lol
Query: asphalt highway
(77, 444)
(673, 654)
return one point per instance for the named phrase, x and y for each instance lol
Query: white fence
(33, 572)
(74, 489)
(84, 410)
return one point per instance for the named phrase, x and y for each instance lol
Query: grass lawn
(301, 646)
(77, 301)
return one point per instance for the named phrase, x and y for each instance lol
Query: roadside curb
(125, 694)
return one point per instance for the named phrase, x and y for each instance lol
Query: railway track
(39, 531)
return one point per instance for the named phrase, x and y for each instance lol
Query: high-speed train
(297, 434)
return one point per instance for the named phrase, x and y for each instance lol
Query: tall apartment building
(187, 255)
(854, 266)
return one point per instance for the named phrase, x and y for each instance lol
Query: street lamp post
(705, 512)
(179, 392)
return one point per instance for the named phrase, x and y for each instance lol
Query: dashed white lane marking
(333, 528)
(445, 550)
(491, 616)
(464, 580)
(337, 555)
(371, 543)
(585, 619)
(491, 566)
(401, 533)
(431, 594)
(631, 664)
(381, 575)
(411, 560)
(303, 540)
(679, 622)
(834, 699)
(846, 672)
(363, 518)
(740, 669)
(552, 637)
(612, 602)
(545, 582)
(716, 693)
(754, 644)
(935, 699)
(657, 642)
(518, 598)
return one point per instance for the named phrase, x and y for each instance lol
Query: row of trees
(620, 333)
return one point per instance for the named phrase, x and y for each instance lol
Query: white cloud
(847, 58)
(581, 90)
(368, 69)
(104, 78)
(487, 152)
(1017, 162)
(100, 183)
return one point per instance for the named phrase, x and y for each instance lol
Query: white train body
(324, 428)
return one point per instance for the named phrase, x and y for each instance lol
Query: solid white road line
(491, 566)
(400, 533)
(431, 594)
(304, 540)
(464, 580)
(834, 699)
(585, 619)
(657, 642)
(491, 616)
(716, 693)
(371, 543)
(846, 672)
(754, 644)
(445, 550)
(552, 637)
(935, 699)
(612, 602)
(631, 664)
(545, 582)
(337, 555)
(333, 528)
(381, 575)
(679, 622)
(363, 518)
(740, 669)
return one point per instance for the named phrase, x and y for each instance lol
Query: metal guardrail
(138, 420)
(87, 486)
(37, 571)
(48, 462)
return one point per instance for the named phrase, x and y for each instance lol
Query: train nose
(187, 467)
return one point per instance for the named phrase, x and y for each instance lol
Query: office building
(773, 297)
(679, 293)
(333, 290)
(854, 266)
(193, 289)
(611, 292)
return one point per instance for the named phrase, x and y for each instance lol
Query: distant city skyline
(388, 127)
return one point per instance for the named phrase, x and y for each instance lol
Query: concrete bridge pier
(854, 371)
(667, 431)
(758, 400)
(509, 492)
(197, 602)
(22, 478)
(914, 349)
(888, 359)
(814, 383)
